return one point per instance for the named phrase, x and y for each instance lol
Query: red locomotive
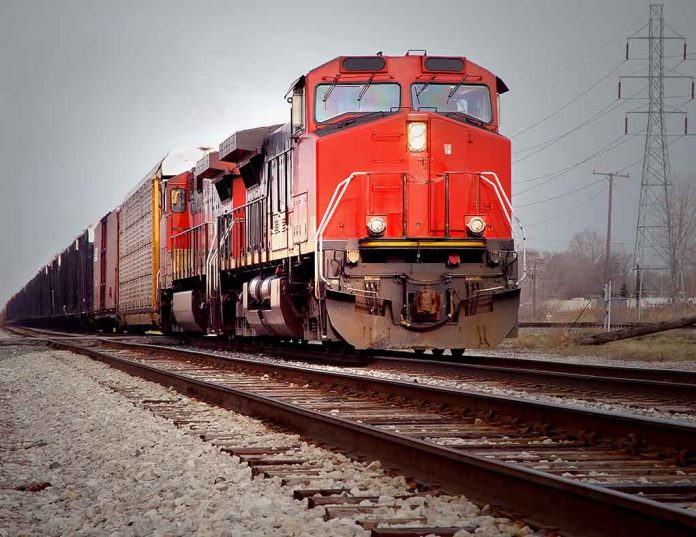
(380, 217)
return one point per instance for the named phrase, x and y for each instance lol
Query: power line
(558, 173)
(592, 196)
(562, 170)
(610, 146)
(567, 211)
(592, 118)
(609, 108)
(592, 52)
(574, 99)
(646, 98)
(631, 165)
(550, 142)
(602, 152)
(546, 239)
(583, 187)
(641, 158)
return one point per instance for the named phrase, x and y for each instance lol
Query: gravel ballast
(105, 466)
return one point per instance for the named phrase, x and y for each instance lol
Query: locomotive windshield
(472, 100)
(333, 100)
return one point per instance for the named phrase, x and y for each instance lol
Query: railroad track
(51, 334)
(583, 471)
(667, 391)
(671, 392)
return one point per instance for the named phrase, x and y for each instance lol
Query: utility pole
(534, 289)
(639, 290)
(607, 252)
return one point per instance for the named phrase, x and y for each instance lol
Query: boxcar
(105, 267)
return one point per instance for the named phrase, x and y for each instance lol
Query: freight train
(379, 217)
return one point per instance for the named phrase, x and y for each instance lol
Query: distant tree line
(578, 271)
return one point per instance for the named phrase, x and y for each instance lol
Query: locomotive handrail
(187, 259)
(189, 230)
(500, 192)
(211, 263)
(214, 255)
(336, 198)
(506, 206)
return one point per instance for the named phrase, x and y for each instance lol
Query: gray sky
(94, 92)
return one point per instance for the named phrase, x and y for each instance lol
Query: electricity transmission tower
(656, 262)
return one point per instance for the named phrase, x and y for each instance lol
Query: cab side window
(177, 201)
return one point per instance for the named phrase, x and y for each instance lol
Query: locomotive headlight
(417, 136)
(476, 225)
(376, 226)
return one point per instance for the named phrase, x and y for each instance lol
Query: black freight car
(75, 278)
(61, 294)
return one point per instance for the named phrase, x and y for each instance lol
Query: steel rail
(668, 385)
(654, 431)
(307, 351)
(311, 351)
(663, 383)
(607, 371)
(33, 332)
(610, 380)
(544, 499)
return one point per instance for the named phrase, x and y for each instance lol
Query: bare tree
(588, 245)
(621, 266)
(683, 217)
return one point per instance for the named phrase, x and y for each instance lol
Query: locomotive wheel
(457, 353)
(438, 352)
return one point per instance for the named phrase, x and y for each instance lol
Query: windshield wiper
(454, 90)
(468, 118)
(364, 89)
(418, 92)
(352, 119)
(328, 91)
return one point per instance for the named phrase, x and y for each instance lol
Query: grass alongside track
(675, 345)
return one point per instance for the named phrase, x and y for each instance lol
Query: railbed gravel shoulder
(115, 468)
